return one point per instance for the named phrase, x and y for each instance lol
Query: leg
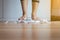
(35, 4)
(24, 4)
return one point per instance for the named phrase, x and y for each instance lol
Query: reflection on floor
(22, 31)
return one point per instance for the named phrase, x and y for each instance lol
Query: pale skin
(24, 4)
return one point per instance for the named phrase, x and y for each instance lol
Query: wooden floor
(31, 31)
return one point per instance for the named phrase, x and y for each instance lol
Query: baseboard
(0, 19)
(10, 20)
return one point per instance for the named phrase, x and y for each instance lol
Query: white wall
(44, 9)
(0, 9)
(12, 9)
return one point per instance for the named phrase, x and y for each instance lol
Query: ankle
(24, 16)
(33, 18)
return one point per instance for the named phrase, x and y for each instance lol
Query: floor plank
(31, 31)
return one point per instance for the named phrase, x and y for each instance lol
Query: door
(55, 9)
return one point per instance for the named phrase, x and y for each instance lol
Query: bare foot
(35, 18)
(40, 20)
(22, 18)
